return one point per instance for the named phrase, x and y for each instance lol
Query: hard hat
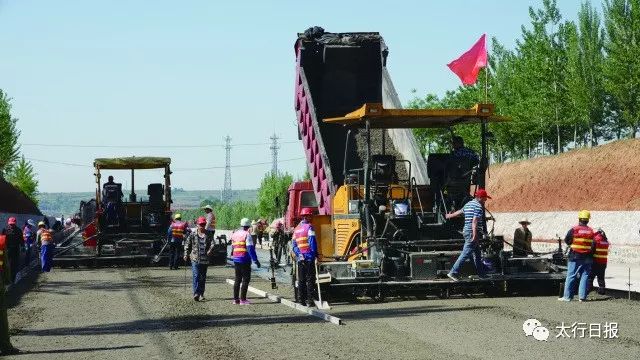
(482, 193)
(177, 217)
(584, 214)
(208, 207)
(31, 222)
(41, 223)
(11, 221)
(201, 220)
(245, 222)
(306, 211)
(524, 220)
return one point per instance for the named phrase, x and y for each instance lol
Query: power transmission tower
(226, 190)
(274, 154)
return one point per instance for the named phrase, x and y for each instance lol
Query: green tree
(585, 80)
(622, 65)
(23, 177)
(9, 148)
(271, 188)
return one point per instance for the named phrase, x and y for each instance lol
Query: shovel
(156, 258)
(321, 279)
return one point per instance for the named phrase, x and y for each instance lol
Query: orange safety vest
(582, 239)
(301, 237)
(602, 249)
(45, 237)
(3, 244)
(239, 243)
(177, 229)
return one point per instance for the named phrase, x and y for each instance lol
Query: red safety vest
(582, 239)
(177, 229)
(239, 243)
(301, 237)
(602, 249)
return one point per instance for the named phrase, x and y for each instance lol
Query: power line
(151, 146)
(237, 166)
(176, 169)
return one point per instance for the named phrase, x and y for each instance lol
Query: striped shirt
(473, 209)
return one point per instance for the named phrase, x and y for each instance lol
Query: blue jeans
(199, 277)
(470, 249)
(46, 257)
(577, 268)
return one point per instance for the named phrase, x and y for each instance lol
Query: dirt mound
(603, 178)
(15, 201)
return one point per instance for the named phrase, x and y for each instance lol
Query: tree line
(14, 167)
(565, 84)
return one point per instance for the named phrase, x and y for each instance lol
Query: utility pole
(274, 154)
(226, 190)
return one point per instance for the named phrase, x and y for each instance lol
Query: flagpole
(486, 84)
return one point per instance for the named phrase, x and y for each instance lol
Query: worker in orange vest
(306, 249)
(45, 239)
(599, 261)
(5, 342)
(176, 234)
(580, 240)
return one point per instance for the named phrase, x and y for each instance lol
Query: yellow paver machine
(381, 231)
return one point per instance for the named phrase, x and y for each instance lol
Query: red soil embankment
(605, 178)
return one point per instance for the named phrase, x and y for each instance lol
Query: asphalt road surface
(148, 313)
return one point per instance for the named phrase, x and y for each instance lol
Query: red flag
(469, 64)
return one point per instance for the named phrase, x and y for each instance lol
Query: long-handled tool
(272, 264)
(321, 279)
(156, 258)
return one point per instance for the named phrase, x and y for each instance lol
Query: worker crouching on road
(176, 233)
(306, 250)
(243, 251)
(473, 229)
(599, 261)
(45, 239)
(199, 247)
(580, 239)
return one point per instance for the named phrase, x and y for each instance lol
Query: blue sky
(191, 72)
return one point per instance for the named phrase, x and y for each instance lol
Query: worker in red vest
(5, 342)
(580, 240)
(306, 250)
(599, 260)
(176, 233)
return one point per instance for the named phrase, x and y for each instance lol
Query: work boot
(311, 304)
(202, 298)
(196, 297)
(236, 302)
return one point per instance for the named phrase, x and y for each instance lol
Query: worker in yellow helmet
(176, 234)
(580, 239)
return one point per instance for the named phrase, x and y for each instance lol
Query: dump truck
(381, 208)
